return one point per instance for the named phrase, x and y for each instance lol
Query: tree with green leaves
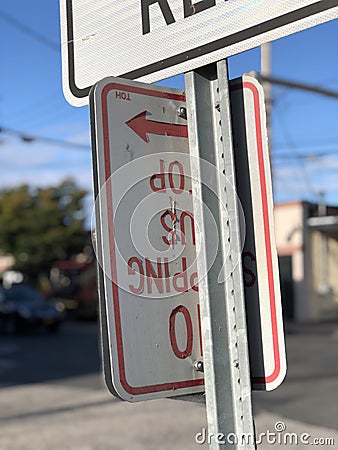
(41, 225)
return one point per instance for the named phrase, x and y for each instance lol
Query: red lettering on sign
(158, 277)
(122, 95)
(182, 227)
(175, 178)
(182, 354)
(194, 286)
(180, 279)
(160, 177)
(249, 276)
(152, 275)
(180, 189)
(168, 228)
(199, 327)
(166, 275)
(140, 273)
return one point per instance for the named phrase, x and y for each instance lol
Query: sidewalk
(315, 328)
(47, 417)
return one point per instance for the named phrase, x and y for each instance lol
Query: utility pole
(266, 73)
(323, 286)
(265, 79)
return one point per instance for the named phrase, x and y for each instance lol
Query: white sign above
(150, 40)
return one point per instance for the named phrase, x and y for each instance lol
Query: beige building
(307, 247)
(6, 262)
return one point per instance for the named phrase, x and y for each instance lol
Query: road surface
(52, 396)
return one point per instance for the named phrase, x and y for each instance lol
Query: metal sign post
(227, 374)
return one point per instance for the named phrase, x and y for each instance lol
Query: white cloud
(307, 180)
(41, 164)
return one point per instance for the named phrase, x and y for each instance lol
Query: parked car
(23, 308)
(75, 285)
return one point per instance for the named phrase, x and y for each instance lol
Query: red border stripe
(267, 236)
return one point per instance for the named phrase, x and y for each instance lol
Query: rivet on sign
(198, 366)
(182, 112)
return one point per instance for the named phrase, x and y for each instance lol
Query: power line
(295, 85)
(301, 167)
(28, 138)
(306, 143)
(30, 32)
(308, 155)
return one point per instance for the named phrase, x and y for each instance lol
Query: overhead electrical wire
(310, 156)
(30, 32)
(306, 143)
(29, 138)
(301, 167)
(277, 157)
(296, 85)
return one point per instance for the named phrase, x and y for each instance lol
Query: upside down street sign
(146, 239)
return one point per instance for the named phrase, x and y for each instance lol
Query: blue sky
(304, 125)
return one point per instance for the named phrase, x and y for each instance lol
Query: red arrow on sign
(143, 127)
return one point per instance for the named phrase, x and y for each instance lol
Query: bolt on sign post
(134, 39)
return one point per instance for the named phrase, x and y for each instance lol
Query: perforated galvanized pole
(224, 334)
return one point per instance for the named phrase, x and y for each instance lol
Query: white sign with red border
(146, 239)
(259, 257)
(150, 40)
